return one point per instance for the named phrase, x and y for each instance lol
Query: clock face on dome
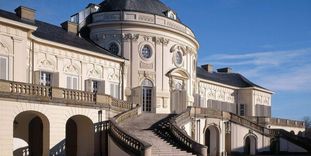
(146, 52)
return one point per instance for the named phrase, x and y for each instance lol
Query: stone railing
(298, 140)
(212, 113)
(182, 137)
(126, 140)
(26, 91)
(277, 122)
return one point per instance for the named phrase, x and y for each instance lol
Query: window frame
(72, 76)
(115, 90)
(178, 64)
(117, 44)
(51, 78)
(7, 66)
(150, 47)
(242, 112)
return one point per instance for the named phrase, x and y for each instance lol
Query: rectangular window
(3, 68)
(242, 109)
(72, 82)
(95, 86)
(114, 90)
(45, 78)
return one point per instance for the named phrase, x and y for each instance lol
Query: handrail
(28, 91)
(299, 140)
(128, 141)
(183, 137)
(208, 112)
(277, 121)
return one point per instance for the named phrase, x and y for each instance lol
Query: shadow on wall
(242, 151)
(100, 142)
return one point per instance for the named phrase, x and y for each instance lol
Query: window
(242, 109)
(115, 90)
(72, 82)
(45, 78)
(114, 48)
(146, 52)
(178, 58)
(3, 68)
(170, 14)
(95, 86)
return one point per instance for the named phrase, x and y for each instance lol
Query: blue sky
(268, 41)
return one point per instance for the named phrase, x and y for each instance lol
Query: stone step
(152, 128)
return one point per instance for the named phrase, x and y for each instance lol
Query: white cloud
(277, 70)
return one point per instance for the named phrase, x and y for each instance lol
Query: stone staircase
(152, 128)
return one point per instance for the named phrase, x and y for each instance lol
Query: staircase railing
(184, 138)
(27, 91)
(213, 113)
(125, 139)
(298, 140)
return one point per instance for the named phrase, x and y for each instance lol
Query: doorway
(147, 95)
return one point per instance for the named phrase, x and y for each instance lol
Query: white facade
(150, 60)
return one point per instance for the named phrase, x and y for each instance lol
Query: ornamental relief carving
(217, 93)
(144, 65)
(146, 18)
(113, 74)
(130, 36)
(47, 63)
(94, 72)
(161, 40)
(71, 68)
(4, 49)
(146, 74)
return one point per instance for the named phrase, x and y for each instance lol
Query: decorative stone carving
(146, 74)
(94, 72)
(113, 74)
(46, 63)
(71, 68)
(146, 38)
(161, 40)
(4, 49)
(146, 65)
(190, 50)
(146, 18)
(129, 36)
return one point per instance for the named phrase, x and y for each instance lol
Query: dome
(146, 6)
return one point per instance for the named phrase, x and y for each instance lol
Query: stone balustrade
(27, 91)
(212, 113)
(126, 140)
(182, 137)
(277, 122)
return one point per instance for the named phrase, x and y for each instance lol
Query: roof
(14, 17)
(57, 34)
(146, 6)
(231, 79)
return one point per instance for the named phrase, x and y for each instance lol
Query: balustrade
(183, 137)
(128, 141)
(27, 91)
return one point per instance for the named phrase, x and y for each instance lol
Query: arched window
(114, 48)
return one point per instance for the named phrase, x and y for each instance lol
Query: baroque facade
(67, 90)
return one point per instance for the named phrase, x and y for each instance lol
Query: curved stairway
(152, 128)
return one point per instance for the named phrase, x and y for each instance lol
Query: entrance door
(147, 96)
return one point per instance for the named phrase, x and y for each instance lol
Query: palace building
(121, 78)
